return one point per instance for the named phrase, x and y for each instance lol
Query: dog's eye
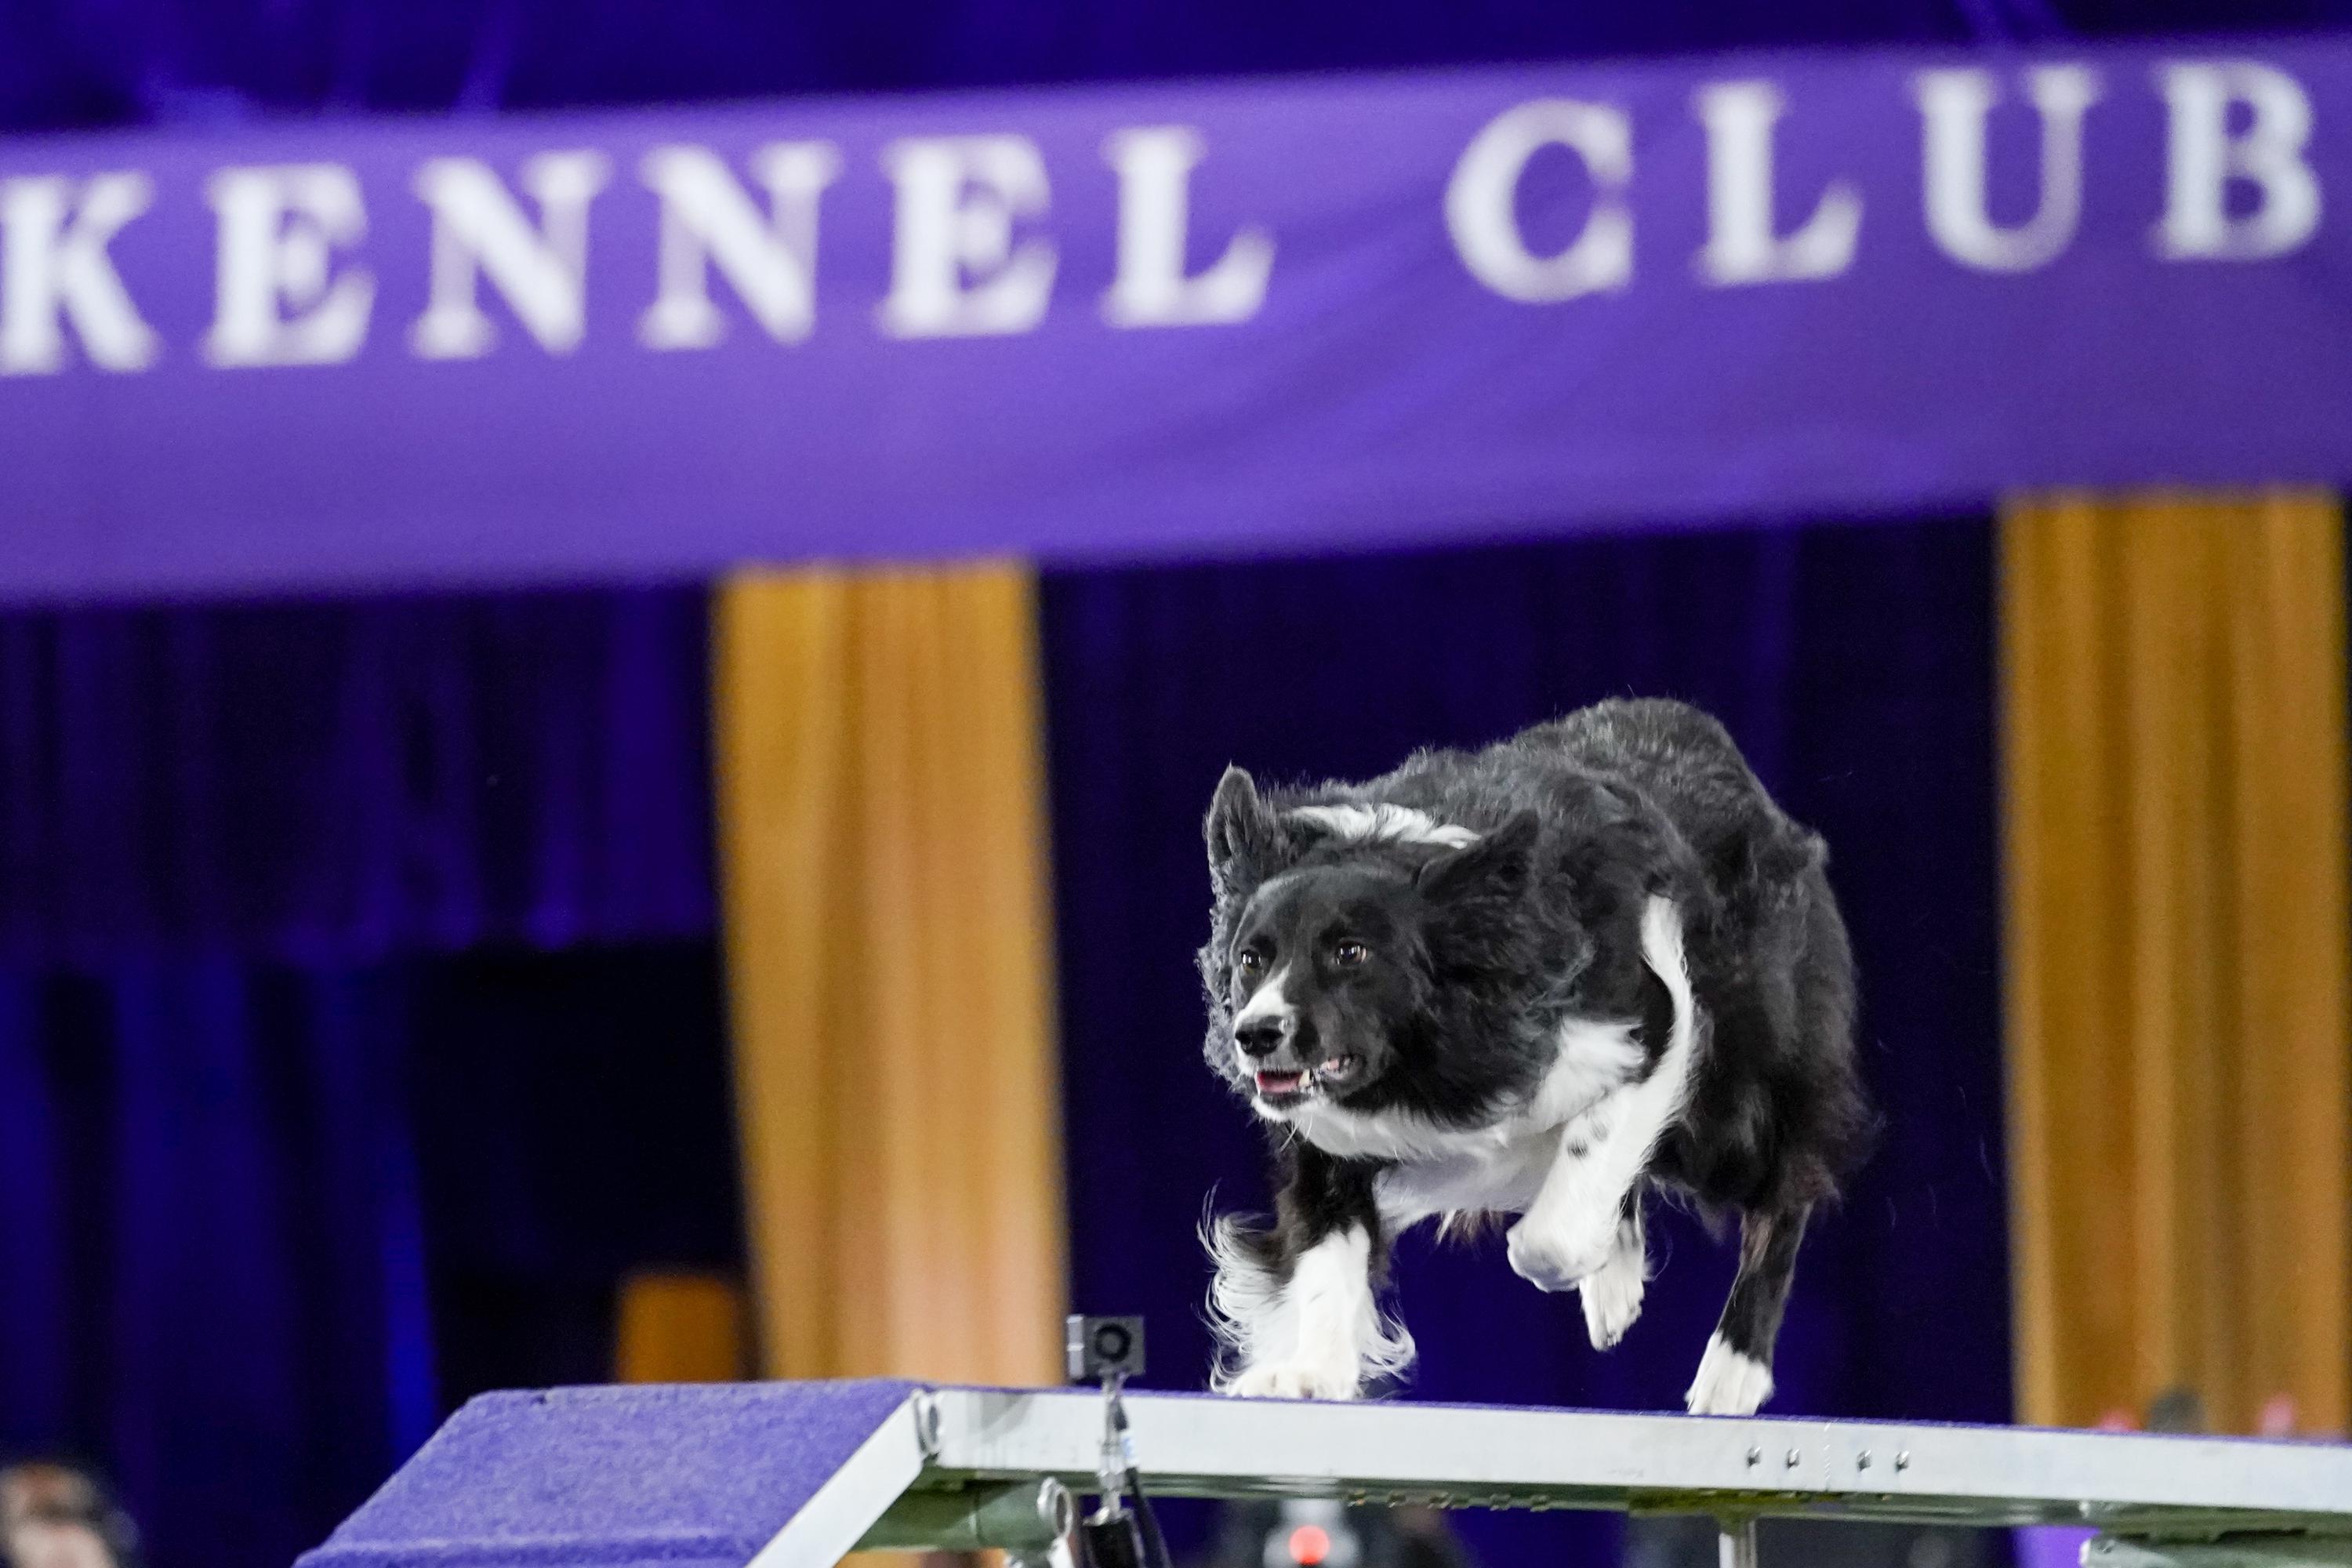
(1350, 954)
(1248, 960)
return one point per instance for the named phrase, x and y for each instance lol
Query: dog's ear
(1247, 842)
(1494, 867)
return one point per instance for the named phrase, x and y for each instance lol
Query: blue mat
(682, 1477)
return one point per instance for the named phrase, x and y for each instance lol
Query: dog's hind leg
(1574, 1227)
(1734, 1376)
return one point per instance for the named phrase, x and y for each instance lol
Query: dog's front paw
(1292, 1379)
(1555, 1257)
(1612, 1298)
(1730, 1383)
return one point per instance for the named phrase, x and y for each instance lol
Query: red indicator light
(1309, 1544)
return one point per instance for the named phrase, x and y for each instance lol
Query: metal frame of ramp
(794, 1475)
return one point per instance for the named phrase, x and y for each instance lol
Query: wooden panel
(680, 1327)
(2180, 1065)
(883, 833)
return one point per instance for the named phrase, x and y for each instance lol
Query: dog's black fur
(1436, 980)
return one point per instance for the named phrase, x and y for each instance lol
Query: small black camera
(1100, 1348)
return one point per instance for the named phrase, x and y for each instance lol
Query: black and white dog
(1537, 981)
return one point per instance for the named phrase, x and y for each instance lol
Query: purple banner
(1183, 320)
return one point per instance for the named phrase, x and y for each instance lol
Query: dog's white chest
(1436, 1169)
(1501, 1179)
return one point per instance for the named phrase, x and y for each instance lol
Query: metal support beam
(2271, 1550)
(1734, 1543)
(1456, 1455)
(1025, 1519)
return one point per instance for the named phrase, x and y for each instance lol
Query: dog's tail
(1662, 950)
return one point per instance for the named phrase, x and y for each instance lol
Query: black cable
(1110, 1543)
(1155, 1546)
(1129, 1540)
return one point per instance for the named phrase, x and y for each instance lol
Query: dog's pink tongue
(1279, 1082)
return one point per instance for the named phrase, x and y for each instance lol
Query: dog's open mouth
(1288, 1087)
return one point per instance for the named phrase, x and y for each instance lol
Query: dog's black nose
(1260, 1036)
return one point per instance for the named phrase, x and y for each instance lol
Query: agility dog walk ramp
(795, 1475)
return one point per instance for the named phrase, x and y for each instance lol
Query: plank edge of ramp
(782, 1475)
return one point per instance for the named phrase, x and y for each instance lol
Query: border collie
(1539, 980)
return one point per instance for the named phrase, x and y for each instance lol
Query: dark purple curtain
(574, 1122)
(100, 62)
(1854, 664)
(212, 1278)
(340, 781)
(359, 1011)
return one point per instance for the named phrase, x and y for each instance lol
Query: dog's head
(1327, 950)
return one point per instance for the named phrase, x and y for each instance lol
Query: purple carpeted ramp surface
(680, 1477)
